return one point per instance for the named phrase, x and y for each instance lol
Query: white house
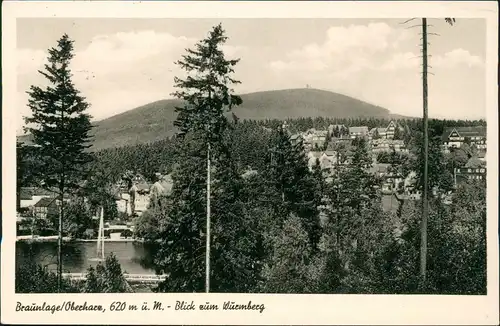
(327, 159)
(391, 129)
(312, 156)
(457, 136)
(25, 203)
(358, 131)
(387, 145)
(123, 204)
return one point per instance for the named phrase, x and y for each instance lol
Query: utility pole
(425, 207)
(207, 253)
(59, 247)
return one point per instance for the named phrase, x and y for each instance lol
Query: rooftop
(465, 131)
(358, 129)
(46, 202)
(330, 153)
(474, 162)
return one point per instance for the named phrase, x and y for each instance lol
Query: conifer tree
(289, 175)
(353, 217)
(236, 258)
(358, 185)
(60, 128)
(207, 96)
(106, 278)
(439, 177)
(26, 164)
(206, 92)
(288, 268)
(181, 250)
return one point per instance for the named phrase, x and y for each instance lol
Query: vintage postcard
(261, 163)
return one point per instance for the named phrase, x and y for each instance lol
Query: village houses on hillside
(387, 139)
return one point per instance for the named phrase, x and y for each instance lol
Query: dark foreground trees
(204, 239)
(106, 277)
(60, 128)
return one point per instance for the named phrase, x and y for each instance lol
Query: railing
(128, 277)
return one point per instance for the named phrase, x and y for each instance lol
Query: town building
(358, 132)
(45, 207)
(469, 173)
(390, 130)
(327, 159)
(457, 136)
(385, 133)
(162, 186)
(136, 200)
(312, 158)
(139, 195)
(379, 169)
(311, 139)
(295, 138)
(337, 130)
(123, 203)
(29, 196)
(387, 145)
(318, 139)
(378, 133)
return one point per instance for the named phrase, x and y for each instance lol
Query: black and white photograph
(320, 156)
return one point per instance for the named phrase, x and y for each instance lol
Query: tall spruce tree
(352, 216)
(237, 258)
(294, 185)
(60, 127)
(206, 92)
(207, 96)
(181, 250)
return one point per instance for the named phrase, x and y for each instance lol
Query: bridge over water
(142, 278)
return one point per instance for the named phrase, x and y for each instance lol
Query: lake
(134, 257)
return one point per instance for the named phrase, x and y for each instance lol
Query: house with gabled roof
(45, 206)
(387, 132)
(378, 133)
(327, 159)
(387, 145)
(390, 130)
(457, 136)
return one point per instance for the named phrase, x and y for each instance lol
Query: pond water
(134, 257)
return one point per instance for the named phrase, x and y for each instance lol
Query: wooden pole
(207, 257)
(59, 247)
(425, 206)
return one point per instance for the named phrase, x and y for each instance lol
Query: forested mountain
(154, 121)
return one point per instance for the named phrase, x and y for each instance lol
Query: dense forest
(250, 144)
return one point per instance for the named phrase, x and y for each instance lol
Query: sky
(123, 63)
